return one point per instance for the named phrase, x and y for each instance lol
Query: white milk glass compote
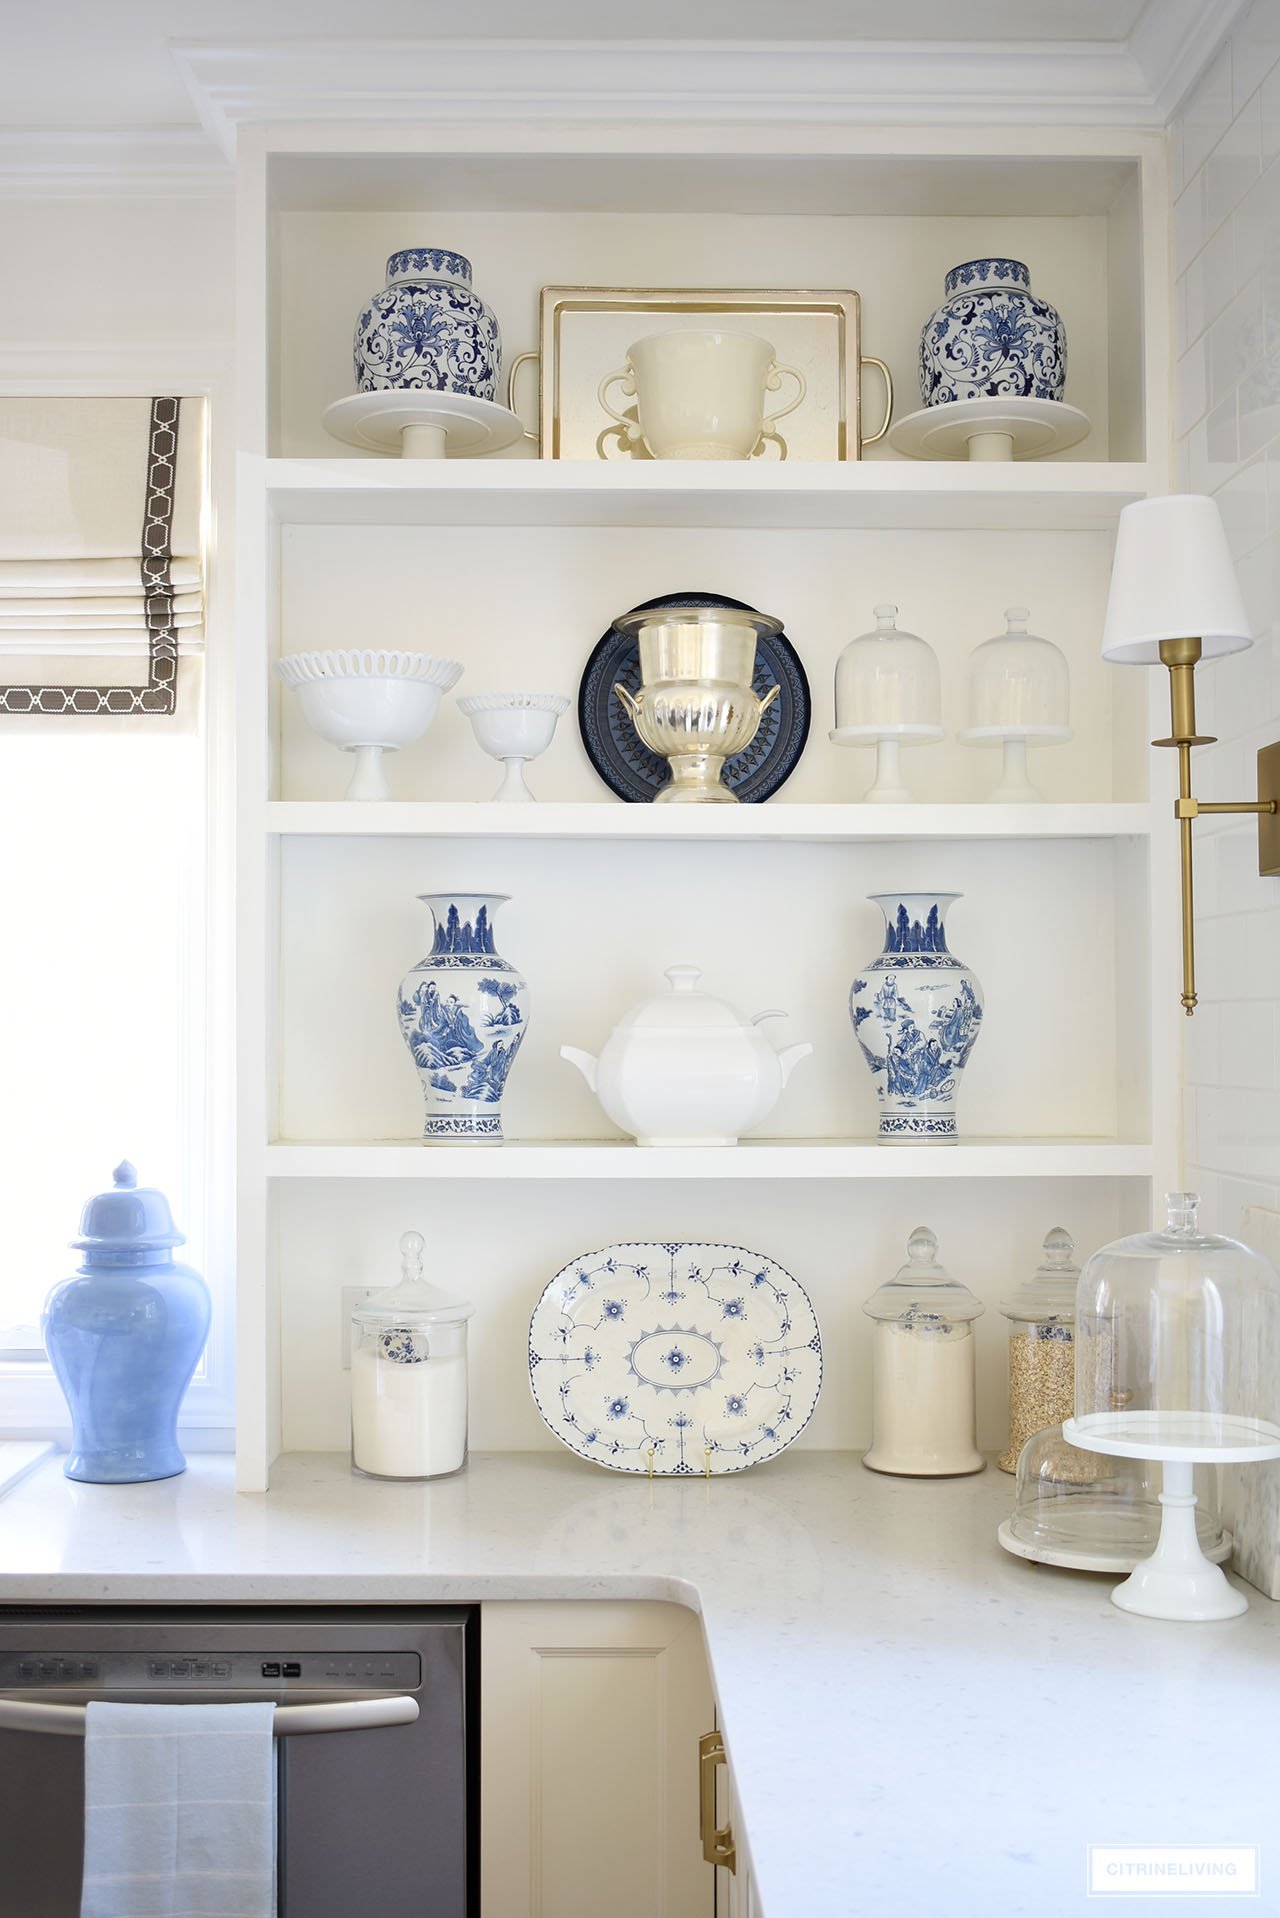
(513, 728)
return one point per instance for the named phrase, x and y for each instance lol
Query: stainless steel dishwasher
(377, 1801)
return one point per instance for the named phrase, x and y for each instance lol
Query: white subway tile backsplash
(1236, 341)
(1256, 227)
(1255, 49)
(1191, 383)
(1206, 114)
(1209, 284)
(1248, 1039)
(1243, 501)
(1233, 166)
(1189, 229)
(1258, 406)
(1269, 104)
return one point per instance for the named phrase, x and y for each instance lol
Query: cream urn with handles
(685, 1068)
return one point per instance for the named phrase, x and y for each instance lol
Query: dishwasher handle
(335, 1715)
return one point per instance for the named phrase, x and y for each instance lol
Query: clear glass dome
(1098, 1513)
(1170, 1326)
(888, 682)
(1042, 1349)
(923, 1362)
(1019, 685)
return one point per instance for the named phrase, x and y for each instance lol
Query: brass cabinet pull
(718, 1847)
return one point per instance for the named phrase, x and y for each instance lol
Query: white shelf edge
(1070, 495)
(753, 1159)
(613, 819)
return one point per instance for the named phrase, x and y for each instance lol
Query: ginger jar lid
(412, 1300)
(1050, 1292)
(683, 1008)
(129, 1218)
(923, 1293)
(428, 263)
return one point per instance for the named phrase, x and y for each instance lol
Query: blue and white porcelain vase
(428, 329)
(124, 1335)
(917, 1013)
(992, 338)
(463, 1016)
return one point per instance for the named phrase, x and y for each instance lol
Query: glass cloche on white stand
(1019, 696)
(888, 695)
(1095, 1513)
(1169, 1326)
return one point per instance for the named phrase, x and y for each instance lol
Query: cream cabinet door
(734, 1896)
(589, 1724)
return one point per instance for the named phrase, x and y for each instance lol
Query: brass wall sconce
(1173, 577)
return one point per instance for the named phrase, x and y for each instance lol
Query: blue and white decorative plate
(634, 773)
(678, 1358)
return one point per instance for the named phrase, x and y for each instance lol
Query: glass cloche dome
(1095, 1512)
(888, 681)
(888, 695)
(1177, 1333)
(1019, 684)
(1169, 1328)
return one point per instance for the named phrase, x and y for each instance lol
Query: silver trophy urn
(696, 706)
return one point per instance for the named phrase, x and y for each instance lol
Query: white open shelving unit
(516, 566)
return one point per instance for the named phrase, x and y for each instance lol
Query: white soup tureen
(685, 1068)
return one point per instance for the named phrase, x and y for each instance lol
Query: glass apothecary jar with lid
(924, 1369)
(409, 1376)
(888, 695)
(1042, 1346)
(1176, 1336)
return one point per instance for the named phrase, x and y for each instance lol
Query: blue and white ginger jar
(463, 1014)
(124, 1335)
(428, 329)
(992, 338)
(917, 1013)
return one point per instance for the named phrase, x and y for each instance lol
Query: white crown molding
(695, 82)
(1174, 41)
(135, 366)
(73, 164)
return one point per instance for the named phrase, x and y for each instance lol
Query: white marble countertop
(917, 1722)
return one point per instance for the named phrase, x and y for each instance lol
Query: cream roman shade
(101, 585)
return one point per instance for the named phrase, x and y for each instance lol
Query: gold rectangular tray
(584, 332)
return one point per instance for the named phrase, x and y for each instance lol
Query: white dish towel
(180, 1813)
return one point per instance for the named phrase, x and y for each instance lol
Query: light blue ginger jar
(992, 338)
(917, 1013)
(124, 1336)
(463, 1013)
(428, 329)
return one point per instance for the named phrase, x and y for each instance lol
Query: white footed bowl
(513, 727)
(368, 702)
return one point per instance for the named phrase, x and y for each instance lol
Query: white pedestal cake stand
(1177, 1581)
(1001, 429)
(1015, 787)
(888, 789)
(422, 425)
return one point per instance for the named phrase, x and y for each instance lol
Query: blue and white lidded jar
(916, 1012)
(427, 329)
(992, 338)
(463, 1013)
(124, 1335)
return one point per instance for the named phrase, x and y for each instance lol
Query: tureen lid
(683, 1008)
(412, 1299)
(129, 1218)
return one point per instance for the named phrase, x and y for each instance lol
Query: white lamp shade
(1173, 578)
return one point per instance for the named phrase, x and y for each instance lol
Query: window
(104, 943)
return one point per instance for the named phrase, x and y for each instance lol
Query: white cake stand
(1002, 429)
(888, 789)
(417, 424)
(1177, 1581)
(1080, 1561)
(1015, 787)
